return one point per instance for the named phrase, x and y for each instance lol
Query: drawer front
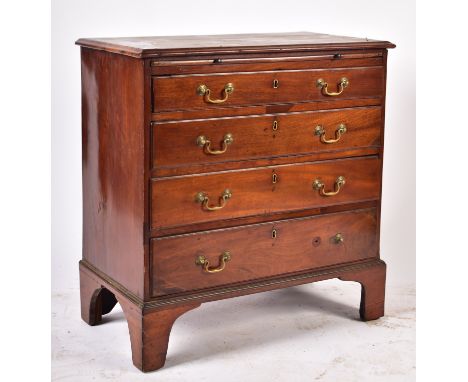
(261, 250)
(184, 92)
(186, 200)
(177, 144)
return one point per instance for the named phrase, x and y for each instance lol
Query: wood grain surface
(161, 46)
(180, 92)
(298, 245)
(143, 229)
(255, 63)
(254, 193)
(113, 156)
(174, 144)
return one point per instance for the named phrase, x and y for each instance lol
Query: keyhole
(316, 241)
(275, 84)
(275, 125)
(274, 178)
(274, 234)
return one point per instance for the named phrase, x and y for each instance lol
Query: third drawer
(187, 200)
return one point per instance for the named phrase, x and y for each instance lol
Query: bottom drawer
(181, 263)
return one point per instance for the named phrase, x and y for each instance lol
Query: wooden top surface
(224, 44)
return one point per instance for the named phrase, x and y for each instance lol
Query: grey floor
(305, 333)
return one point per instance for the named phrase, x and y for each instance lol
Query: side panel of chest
(113, 160)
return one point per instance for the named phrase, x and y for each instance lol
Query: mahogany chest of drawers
(219, 166)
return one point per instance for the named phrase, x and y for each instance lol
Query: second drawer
(178, 144)
(195, 199)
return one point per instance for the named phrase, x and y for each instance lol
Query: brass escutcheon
(274, 177)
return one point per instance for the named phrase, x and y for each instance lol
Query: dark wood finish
(372, 291)
(355, 271)
(179, 92)
(227, 44)
(254, 193)
(256, 252)
(274, 216)
(327, 104)
(142, 229)
(272, 161)
(113, 155)
(149, 333)
(149, 329)
(174, 143)
(345, 59)
(149, 351)
(96, 300)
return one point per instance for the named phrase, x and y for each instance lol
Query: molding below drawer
(242, 289)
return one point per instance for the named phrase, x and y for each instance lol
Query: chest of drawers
(219, 166)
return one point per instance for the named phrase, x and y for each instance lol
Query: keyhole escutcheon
(274, 178)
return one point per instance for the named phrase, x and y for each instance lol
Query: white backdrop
(375, 19)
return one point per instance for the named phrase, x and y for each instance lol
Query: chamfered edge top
(160, 46)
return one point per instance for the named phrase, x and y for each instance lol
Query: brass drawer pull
(204, 142)
(205, 263)
(319, 185)
(319, 130)
(203, 199)
(344, 82)
(204, 91)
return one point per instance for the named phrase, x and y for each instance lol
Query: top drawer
(183, 92)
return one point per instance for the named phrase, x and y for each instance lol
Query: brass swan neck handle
(320, 131)
(204, 142)
(205, 263)
(320, 186)
(204, 200)
(323, 85)
(203, 90)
